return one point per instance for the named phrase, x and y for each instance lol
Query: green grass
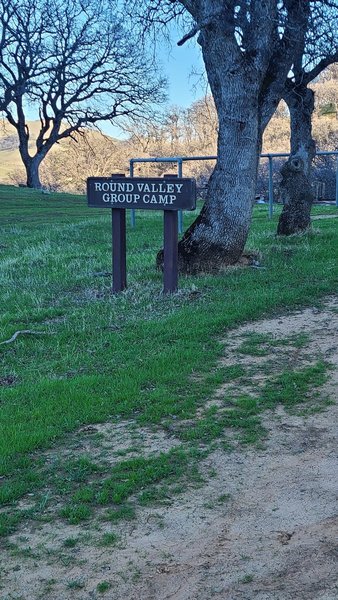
(294, 387)
(103, 587)
(109, 539)
(260, 344)
(139, 355)
(247, 579)
(133, 475)
(76, 513)
(255, 343)
(75, 584)
(126, 513)
(70, 542)
(290, 388)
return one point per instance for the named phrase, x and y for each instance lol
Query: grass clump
(109, 539)
(255, 344)
(70, 542)
(242, 415)
(125, 480)
(126, 513)
(130, 476)
(289, 388)
(103, 587)
(294, 387)
(10, 520)
(246, 579)
(76, 513)
(75, 584)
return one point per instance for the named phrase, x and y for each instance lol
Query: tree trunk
(32, 173)
(218, 235)
(295, 187)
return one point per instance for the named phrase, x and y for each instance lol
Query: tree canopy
(75, 62)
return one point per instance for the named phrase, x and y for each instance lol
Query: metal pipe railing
(179, 160)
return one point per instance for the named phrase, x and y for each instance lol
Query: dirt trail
(264, 527)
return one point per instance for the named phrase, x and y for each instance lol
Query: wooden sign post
(120, 193)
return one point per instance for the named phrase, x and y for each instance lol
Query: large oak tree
(248, 47)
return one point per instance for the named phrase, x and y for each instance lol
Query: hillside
(180, 133)
(11, 168)
(10, 161)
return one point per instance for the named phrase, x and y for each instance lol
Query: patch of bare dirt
(111, 441)
(265, 527)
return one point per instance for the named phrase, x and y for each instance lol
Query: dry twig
(24, 332)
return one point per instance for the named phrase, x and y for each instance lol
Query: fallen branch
(24, 332)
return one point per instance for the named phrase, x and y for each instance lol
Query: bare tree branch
(77, 62)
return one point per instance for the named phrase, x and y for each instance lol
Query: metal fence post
(180, 212)
(337, 181)
(270, 188)
(132, 212)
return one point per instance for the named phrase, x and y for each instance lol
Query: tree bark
(31, 163)
(218, 235)
(295, 187)
(32, 166)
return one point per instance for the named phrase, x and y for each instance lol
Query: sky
(183, 67)
(179, 63)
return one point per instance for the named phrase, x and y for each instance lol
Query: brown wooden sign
(151, 193)
(169, 194)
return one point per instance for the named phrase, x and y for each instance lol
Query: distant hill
(69, 164)
(10, 161)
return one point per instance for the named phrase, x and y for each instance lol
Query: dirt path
(263, 527)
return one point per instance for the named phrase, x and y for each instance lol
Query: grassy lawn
(139, 355)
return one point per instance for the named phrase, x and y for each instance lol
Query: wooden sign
(151, 193)
(119, 193)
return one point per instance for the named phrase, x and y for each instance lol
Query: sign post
(120, 193)
(170, 252)
(119, 250)
(119, 247)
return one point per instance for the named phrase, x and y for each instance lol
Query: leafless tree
(75, 62)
